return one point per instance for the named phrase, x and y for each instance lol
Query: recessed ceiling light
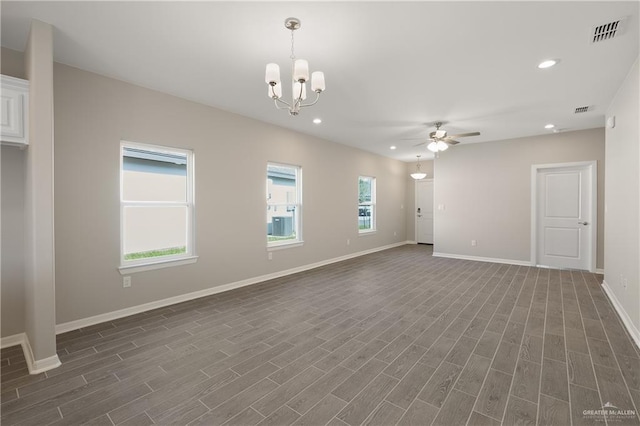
(392, 147)
(317, 121)
(547, 64)
(549, 126)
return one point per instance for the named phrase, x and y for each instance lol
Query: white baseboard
(599, 271)
(42, 365)
(483, 259)
(16, 339)
(110, 316)
(35, 366)
(411, 242)
(626, 320)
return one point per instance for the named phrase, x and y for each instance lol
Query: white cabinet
(15, 111)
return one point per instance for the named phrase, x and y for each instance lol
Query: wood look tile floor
(394, 337)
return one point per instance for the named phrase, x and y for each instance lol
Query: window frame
(371, 203)
(298, 241)
(189, 256)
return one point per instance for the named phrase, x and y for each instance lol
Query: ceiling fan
(440, 141)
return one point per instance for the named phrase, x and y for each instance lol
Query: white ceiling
(390, 67)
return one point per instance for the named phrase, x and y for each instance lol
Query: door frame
(592, 167)
(415, 206)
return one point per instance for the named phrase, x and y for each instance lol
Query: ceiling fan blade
(421, 143)
(452, 142)
(464, 135)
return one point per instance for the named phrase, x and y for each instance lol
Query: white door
(424, 211)
(565, 230)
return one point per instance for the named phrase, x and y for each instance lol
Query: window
(366, 204)
(284, 202)
(156, 204)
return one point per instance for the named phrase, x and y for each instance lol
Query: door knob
(583, 223)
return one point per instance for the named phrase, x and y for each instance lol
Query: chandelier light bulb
(317, 81)
(301, 70)
(272, 74)
(299, 90)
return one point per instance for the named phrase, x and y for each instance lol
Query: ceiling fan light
(433, 146)
(440, 133)
(442, 146)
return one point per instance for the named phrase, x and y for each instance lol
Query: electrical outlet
(270, 255)
(395, 234)
(126, 282)
(625, 283)
(474, 243)
(348, 241)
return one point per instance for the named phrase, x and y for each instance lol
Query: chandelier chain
(293, 55)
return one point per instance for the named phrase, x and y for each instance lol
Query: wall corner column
(40, 297)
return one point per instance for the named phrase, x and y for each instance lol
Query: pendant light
(418, 174)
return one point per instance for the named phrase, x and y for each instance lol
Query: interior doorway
(424, 211)
(564, 215)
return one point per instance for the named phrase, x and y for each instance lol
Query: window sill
(368, 232)
(150, 266)
(285, 246)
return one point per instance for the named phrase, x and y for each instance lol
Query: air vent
(607, 31)
(580, 110)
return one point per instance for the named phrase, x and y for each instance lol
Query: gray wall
(622, 243)
(486, 192)
(12, 214)
(94, 113)
(12, 63)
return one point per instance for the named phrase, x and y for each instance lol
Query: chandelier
(300, 76)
